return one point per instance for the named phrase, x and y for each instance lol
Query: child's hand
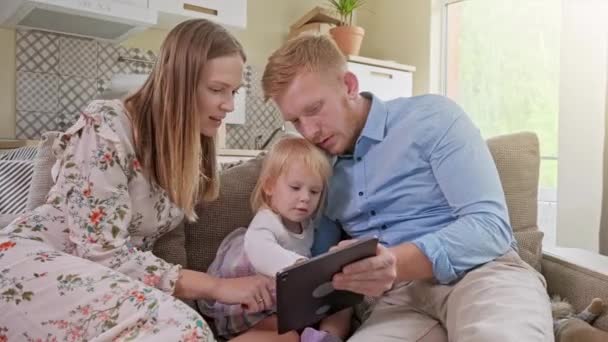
(299, 261)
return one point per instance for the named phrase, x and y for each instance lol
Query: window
(502, 65)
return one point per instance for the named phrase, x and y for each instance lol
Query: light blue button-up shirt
(420, 173)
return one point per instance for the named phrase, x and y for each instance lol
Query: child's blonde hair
(306, 52)
(282, 154)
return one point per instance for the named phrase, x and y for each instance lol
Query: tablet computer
(304, 291)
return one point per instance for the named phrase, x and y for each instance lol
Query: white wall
(399, 30)
(581, 122)
(7, 83)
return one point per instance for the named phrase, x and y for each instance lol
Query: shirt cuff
(432, 247)
(169, 279)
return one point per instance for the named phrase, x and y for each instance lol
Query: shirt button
(373, 212)
(358, 158)
(360, 193)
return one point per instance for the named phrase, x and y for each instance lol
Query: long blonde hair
(282, 154)
(166, 119)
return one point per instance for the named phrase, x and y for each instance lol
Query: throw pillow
(218, 218)
(21, 153)
(41, 179)
(15, 178)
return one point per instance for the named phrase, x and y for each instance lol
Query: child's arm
(265, 253)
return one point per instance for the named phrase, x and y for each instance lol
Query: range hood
(111, 20)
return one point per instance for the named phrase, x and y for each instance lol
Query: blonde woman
(79, 267)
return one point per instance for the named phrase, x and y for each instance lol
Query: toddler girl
(286, 198)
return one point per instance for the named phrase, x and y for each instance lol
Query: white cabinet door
(226, 12)
(134, 3)
(229, 12)
(385, 83)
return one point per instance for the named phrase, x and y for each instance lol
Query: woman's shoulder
(108, 118)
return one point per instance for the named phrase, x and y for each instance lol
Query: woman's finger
(252, 305)
(266, 298)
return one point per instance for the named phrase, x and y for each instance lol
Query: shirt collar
(375, 125)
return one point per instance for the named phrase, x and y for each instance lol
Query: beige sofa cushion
(217, 219)
(517, 160)
(41, 179)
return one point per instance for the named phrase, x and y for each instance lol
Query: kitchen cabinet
(231, 13)
(385, 79)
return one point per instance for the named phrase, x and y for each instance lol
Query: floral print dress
(80, 267)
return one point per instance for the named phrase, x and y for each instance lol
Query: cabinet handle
(381, 74)
(200, 9)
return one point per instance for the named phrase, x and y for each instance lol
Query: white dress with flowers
(80, 266)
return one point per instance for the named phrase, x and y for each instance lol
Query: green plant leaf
(345, 9)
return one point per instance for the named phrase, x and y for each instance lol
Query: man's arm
(467, 176)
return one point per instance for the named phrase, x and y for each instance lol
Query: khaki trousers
(503, 300)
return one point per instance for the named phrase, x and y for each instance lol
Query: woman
(80, 266)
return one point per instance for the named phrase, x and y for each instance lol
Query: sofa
(573, 274)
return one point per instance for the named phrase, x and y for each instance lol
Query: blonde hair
(282, 154)
(306, 52)
(165, 114)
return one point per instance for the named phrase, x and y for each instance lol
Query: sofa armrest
(578, 276)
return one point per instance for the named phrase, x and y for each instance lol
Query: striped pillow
(15, 180)
(21, 153)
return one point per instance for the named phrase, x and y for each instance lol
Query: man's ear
(352, 84)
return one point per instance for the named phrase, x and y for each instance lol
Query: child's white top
(270, 247)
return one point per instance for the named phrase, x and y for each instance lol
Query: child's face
(296, 193)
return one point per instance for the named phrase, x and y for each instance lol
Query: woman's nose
(228, 104)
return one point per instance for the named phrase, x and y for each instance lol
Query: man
(416, 173)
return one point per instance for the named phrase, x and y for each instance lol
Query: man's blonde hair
(306, 52)
(166, 116)
(282, 154)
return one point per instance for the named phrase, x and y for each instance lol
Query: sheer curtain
(604, 220)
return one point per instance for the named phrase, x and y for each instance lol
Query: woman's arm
(92, 190)
(252, 292)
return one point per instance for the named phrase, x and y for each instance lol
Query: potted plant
(348, 37)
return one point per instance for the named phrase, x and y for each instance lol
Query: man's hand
(371, 276)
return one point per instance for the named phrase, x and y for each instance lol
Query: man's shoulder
(423, 105)
(423, 113)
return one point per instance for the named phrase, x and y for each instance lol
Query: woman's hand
(254, 293)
